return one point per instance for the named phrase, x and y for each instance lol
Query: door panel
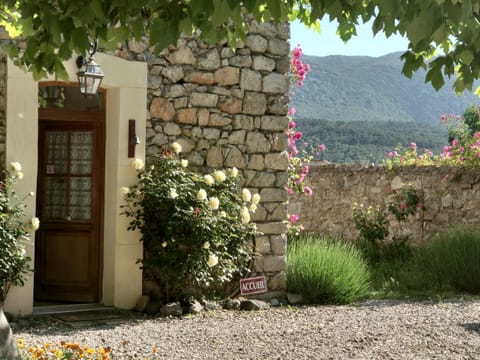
(68, 243)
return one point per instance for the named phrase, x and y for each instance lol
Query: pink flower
(476, 135)
(403, 205)
(413, 146)
(308, 190)
(293, 218)
(390, 154)
(292, 111)
(443, 118)
(290, 191)
(305, 170)
(298, 135)
(291, 125)
(322, 147)
(454, 142)
(445, 149)
(420, 206)
(297, 52)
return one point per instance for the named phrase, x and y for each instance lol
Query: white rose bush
(195, 228)
(14, 232)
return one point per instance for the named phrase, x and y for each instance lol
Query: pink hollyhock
(298, 135)
(390, 154)
(297, 52)
(413, 146)
(293, 218)
(308, 190)
(443, 118)
(455, 142)
(476, 135)
(292, 111)
(291, 125)
(305, 170)
(322, 147)
(290, 191)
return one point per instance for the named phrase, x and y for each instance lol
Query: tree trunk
(8, 348)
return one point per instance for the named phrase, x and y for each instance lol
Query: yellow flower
(255, 199)
(184, 163)
(201, 195)
(176, 147)
(214, 203)
(138, 164)
(246, 195)
(245, 215)
(209, 179)
(212, 260)
(220, 175)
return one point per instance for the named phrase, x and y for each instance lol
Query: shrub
(327, 270)
(196, 229)
(14, 233)
(451, 261)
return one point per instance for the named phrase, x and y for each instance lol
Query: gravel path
(380, 329)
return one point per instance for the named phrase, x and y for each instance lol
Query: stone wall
(451, 196)
(227, 108)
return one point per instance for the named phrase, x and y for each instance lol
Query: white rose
(31, 193)
(212, 260)
(245, 215)
(16, 166)
(35, 223)
(201, 195)
(164, 244)
(206, 245)
(255, 199)
(124, 190)
(184, 163)
(246, 195)
(209, 179)
(138, 164)
(20, 175)
(234, 172)
(222, 214)
(214, 203)
(176, 147)
(220, 175)
(253, 208)
(173, 193)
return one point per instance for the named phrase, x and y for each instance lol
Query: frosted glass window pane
(55, 198)
(80, 198)
(81, 152)
(57, 143)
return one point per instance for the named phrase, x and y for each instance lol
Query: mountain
(361, 88)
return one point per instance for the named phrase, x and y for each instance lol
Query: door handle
(69, 218)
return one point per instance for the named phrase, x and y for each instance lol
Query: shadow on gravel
(472, 327)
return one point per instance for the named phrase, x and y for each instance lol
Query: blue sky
(327, 42)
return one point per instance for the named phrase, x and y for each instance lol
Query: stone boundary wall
(227, 108)
(451, 197)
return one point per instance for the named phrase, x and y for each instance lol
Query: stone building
(225, 107)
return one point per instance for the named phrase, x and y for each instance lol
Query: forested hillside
(355, 88)
(368, 141)
(363, 107)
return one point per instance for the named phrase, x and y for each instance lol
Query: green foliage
(14, 234)
(367, 142)
(196, 230)
(406, 201)
(372, 223)
(451, 261)
(52, 30)
(326, 271)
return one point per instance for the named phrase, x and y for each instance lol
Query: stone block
(182, 56)
(175, 91)
(187, 116)
(266, 29)
(172, 129)
(211, 134)
(230, 105)
(162, 108)
(203, 99)
(262, 179)
(263, 63)
(273, 194)
(257, 143)
(278, 281)
(275, 84)
(209, 61)
(197, 77)
(262, 244)
(260, 214)
(256, 162)
(272, 228)
(186, 144)
(234, 158)
(241, 61)
(173, 73)
(254, 103)
(250, 80)
(257, 43)
(203, 117)
(227, 75)
(237, 137)
(214, 157)
(219, 120)
(273, 263)
(279, 244)
(278, 47)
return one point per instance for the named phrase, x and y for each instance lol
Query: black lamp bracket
(80, 61)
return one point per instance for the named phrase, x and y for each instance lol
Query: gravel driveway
(380, 329)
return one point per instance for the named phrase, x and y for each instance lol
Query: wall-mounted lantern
(133, 139)
(90, 74)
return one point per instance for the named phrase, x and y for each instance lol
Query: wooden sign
(253, 285)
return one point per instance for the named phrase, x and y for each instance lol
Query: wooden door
(68, 244)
